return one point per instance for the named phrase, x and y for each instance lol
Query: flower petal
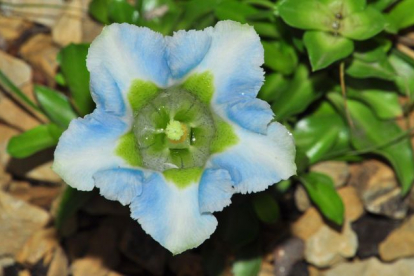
(234, 57)
(88, 146)
(121, 54)
(118, 184)
(252, 114)
(216, 189)
(171, 215)
(258, 161)
(186, 50)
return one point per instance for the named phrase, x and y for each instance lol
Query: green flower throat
(174, 128)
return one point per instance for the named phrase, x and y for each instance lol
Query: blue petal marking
(216, 189)
(86, 147)
(119, 184)
(252, 114)
(171, 215)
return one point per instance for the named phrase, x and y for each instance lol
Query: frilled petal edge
(88, 146)
(258, 160)
(171, 215)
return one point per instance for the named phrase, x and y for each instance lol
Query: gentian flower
(177, 128)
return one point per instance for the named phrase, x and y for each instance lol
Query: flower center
(174, 130)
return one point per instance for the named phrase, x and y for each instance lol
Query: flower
(177, 129)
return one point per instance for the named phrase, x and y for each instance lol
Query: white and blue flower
(177, 129)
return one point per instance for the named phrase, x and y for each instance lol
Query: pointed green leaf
(307, 14)
(383, 137)
(385, 104)
(321, 191)
(280, 57)
(345, 7)
(55, 105)
(404, 74)
(275, 85)
(324, 48)
(363, 25)
(120, 11)
(299, 95)
(382, 4)
(381, 69)
(234, 10)
(322, 134)
(34, 140)
(73, 66)
(247, 267)
(99, 10)
(401, 16)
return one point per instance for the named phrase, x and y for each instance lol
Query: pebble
(373, 267)
(379, 190)
(337, 170)
(18, 221)
(400, 243)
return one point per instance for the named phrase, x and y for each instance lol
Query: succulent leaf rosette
(177, 128)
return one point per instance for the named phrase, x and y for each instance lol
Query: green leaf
(280, 57)
(98, 9)
(307, 14)
(322, 192)
(345, 7)
(72, 200)
(382, 4)
(266, 207)
(73, 66)
(363, 25)
(275, 85)
(120, 11)
(298, 96)
(247, 267)
(195, 9)
(324, 49)
(266, 29)
(373, 50)
(34, 140)
(382, 137)
(381, 69)
(55, 105)
(385, 104)
(401, 16)
(322, 134)
(234, 10)
(404, 74)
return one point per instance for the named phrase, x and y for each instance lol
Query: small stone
(373, 267)
(308, 224)
(302, 200)
(68, 28)
(18, 221)
(20, 74)
(328, 246)
(91, 265)
(41, 245)
(59, 264)
(353, 204)
(371, 231)
(40, 52)
(286, 255)
(299, 269)
(90, 29)
(41, 13)
(11, 28)
(337, 170)
(5, 179)
(379, 190)
(400, 243)
(267, 269)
